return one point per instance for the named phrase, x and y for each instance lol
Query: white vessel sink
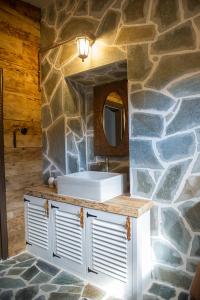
(91, 185)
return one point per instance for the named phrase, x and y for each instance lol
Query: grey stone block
(174, 229)
(51, 82)
(147, 100)
(191, 189)
(71, 144)
(177, 278)
(6, 295)
(171, 181)
(192, 265)
(41, 278)
(196, 168)
(27, 293)
(173, 66)
(165, 254)
(56, 140)
(82, 154)
(51, 14)
(191, 8)
(186, 87)
(46, 116)
(135, 11)
(195, 251)
(143, 183)
(146, 125)
(30, 273)
(183, 296)
(163, 291)
(154, 220)
(150, 297)
(107, 29)
(165, 13)
(56, 103)
(11, 283)
(142, 155)
(24, 264)
(72, 163)
(191, 212)
(187, 117)
(64, 296)
(76, 126)
(65, 278)
(47, 268)
(176, 147)
(97, 9)
(139, 65)
(75, 26)
(181, 37)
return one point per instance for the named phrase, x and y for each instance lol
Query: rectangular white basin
(91, 185)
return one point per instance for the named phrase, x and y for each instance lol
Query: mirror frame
(101, 144)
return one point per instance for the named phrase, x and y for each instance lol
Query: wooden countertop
(121, 205)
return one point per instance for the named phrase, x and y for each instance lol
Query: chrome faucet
(107, 163)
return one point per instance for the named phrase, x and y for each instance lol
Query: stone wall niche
(80, 128)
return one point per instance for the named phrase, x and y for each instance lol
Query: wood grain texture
(20, 40)
(3, 216)
(121, 205)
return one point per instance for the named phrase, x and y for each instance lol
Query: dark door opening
(3, 216)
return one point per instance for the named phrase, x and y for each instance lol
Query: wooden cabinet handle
(46, 208)
(128, 228)
(81, 218)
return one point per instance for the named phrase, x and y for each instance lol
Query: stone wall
(160, 40)
(20, 39)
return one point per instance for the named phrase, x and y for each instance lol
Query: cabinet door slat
(68, 236)
(37, 223)
(109, 248)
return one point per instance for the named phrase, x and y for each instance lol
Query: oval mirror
(114, 119)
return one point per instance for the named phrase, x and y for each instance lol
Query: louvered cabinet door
(68, 237)
(109, 252)
(37, 226)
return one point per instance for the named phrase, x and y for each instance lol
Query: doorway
(3, 216)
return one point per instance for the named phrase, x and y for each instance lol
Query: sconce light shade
(83, 45)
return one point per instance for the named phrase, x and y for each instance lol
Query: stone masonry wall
(160, 40)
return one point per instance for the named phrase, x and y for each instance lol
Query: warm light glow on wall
(83, 45)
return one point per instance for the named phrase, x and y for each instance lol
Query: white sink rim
(82, 185)
(80, 176)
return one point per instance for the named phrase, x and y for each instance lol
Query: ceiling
(38, 3)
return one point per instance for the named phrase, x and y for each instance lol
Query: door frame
(3, 212)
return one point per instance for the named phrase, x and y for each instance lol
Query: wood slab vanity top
(121, 205)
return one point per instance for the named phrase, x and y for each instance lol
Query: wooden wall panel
(20, 40)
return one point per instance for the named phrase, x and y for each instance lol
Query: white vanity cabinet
(37, 226)
(108, 250)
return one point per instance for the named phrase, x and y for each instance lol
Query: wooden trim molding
(3, 214)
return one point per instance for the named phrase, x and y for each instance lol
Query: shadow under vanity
(101, 236)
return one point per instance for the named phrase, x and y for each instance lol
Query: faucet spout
(107, 163)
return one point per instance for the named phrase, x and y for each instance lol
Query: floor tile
(26, 277)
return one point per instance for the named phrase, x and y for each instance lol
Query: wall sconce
(84, 43)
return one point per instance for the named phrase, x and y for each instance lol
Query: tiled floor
(25, 277)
